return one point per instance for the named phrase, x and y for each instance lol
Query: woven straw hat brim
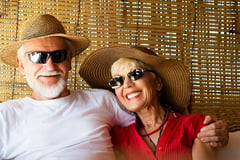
(95, 70)
(8, 53)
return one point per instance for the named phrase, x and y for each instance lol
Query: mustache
(49, 73)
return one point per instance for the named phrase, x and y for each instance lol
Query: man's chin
(47, 90)
(50, 92)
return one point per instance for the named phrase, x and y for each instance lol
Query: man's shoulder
(95, 92)
(11, 102)
(193, 116)
(95, 97)
(11, 109)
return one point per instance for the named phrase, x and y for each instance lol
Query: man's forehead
(45, 44)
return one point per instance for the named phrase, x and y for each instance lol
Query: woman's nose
(127, 82)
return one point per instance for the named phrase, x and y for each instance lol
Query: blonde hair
(131, 62)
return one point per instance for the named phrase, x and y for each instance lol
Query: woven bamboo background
(228, 114)
(203, 34)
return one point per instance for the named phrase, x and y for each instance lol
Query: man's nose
(50, 64)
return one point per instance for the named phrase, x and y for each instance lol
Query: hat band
(36, 35)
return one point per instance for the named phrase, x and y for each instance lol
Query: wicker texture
(230, 115)
(204, 35)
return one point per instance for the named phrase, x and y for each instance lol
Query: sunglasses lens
(42, 57)
(119, 80)
(59, 56)
(135, 74)
(38, 57)
(116, 82)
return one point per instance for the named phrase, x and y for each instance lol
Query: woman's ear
(159, 84)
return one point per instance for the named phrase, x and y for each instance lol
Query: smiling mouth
(49, 74)
(132, 95)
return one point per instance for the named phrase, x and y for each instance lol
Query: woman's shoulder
(190, 117)
(123, 130)
(189, 122)
(120, 134)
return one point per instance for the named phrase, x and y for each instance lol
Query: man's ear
(20, 65)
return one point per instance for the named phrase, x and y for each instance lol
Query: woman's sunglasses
(42, 57)
(133, 75)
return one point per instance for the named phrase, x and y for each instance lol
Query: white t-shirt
(75, 127)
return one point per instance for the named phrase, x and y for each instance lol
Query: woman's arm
(119, 154)
(203, 151)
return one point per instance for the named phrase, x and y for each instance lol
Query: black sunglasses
(133, 75)
(42, 57)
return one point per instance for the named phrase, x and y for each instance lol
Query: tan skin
(31, 69)
(145, 103)
(215, 133)
(141, 97)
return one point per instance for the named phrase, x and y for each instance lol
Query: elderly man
(54, 122)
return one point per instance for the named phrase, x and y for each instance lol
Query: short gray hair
(21, 52)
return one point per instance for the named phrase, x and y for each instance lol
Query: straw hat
(39, 27)
(95, 70)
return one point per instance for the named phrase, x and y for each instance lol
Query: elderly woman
(153, 88)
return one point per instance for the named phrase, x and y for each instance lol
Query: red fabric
(175, 142)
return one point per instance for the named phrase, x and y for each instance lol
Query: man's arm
(215, 133)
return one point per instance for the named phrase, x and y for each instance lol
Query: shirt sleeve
(196, 123)
(192, 124)
(121, 116)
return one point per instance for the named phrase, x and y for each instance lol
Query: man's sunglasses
(133, 75)
(42, 57)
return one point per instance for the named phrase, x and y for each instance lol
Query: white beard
(45, 90)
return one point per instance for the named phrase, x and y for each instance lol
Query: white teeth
(133, 95)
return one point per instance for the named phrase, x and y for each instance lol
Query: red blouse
(175, 142)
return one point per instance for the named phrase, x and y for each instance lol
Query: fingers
(210, 139)
(215, 141)
(219, 124)
(209, 119)
(215, 133)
